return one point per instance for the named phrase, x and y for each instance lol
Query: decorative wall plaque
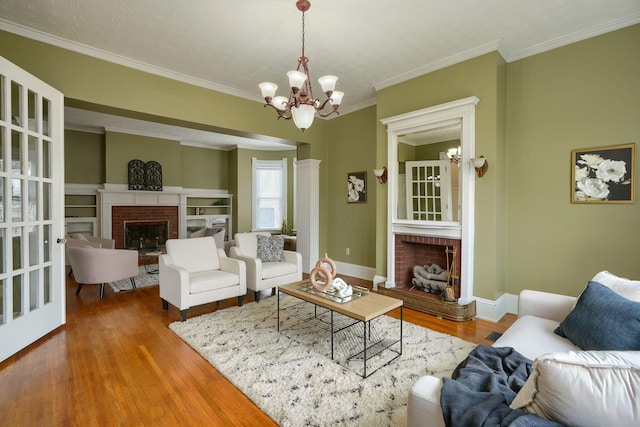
(145, 176)
(153, 176)
(136, 175)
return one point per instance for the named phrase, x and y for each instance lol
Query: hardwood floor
(115, 362)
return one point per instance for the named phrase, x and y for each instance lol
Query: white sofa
(532, 335)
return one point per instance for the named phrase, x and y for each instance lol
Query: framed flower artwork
(357, 187)
(603, 175)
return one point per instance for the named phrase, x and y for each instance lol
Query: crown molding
(361, 105)
(208, 146)
(503, 50)
(86, 129)
(497, 45)
(443, 63)
(577, 36)
(139, 133)
(43, 37)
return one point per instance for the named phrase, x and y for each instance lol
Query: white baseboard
(493, 311)
(353, 270)
(377, 280)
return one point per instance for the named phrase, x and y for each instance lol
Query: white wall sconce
(481, 165)
(381, 174)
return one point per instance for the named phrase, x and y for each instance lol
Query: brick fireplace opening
(142, 235)
(413, 250)
(153, 215)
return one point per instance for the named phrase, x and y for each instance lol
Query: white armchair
(261, 274)
(194, 272)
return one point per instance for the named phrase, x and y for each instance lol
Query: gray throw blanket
(482, 387)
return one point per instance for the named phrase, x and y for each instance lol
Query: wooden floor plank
(115, 362)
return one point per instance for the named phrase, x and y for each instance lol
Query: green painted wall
(122, 148)
(352, 225)
(432, 151)
(204, 168)
(84, 157)
(476, 77)
(579, 96)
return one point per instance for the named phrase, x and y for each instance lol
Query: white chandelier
(301, 105)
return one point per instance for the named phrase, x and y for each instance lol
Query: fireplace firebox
(145, 235)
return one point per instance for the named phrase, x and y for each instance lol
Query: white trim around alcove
(461, 111)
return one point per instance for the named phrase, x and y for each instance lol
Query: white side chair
(194, 272)
(265, 275)
(99, 265)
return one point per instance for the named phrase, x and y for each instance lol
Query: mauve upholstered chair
(98, 265)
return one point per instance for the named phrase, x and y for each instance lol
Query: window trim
(274, 165)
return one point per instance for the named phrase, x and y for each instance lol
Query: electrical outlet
(348, 251)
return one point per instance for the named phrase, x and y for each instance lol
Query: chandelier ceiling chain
(301, 106)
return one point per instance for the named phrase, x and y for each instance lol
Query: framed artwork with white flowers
(603, 174)
(357, 187)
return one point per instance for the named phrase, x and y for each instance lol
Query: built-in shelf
(81, 209)
(209, 210)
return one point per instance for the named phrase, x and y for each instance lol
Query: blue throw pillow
(602, 320)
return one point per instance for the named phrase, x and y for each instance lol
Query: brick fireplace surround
(120, 214)
(413, 250)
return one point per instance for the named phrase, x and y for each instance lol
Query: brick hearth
(120, 214)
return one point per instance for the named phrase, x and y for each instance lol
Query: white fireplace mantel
(120, 195)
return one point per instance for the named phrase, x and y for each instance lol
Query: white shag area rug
(290, 374)
(142, 279)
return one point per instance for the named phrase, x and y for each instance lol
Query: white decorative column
(307, 212)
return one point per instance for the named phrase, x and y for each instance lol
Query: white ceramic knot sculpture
(323, 273)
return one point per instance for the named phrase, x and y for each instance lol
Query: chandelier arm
(269, 105)
(320, 114)
(324, 104)
(282, 114)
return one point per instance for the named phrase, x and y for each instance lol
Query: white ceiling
(231, 46)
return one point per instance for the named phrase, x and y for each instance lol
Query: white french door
(32, 301)
(428, 189)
